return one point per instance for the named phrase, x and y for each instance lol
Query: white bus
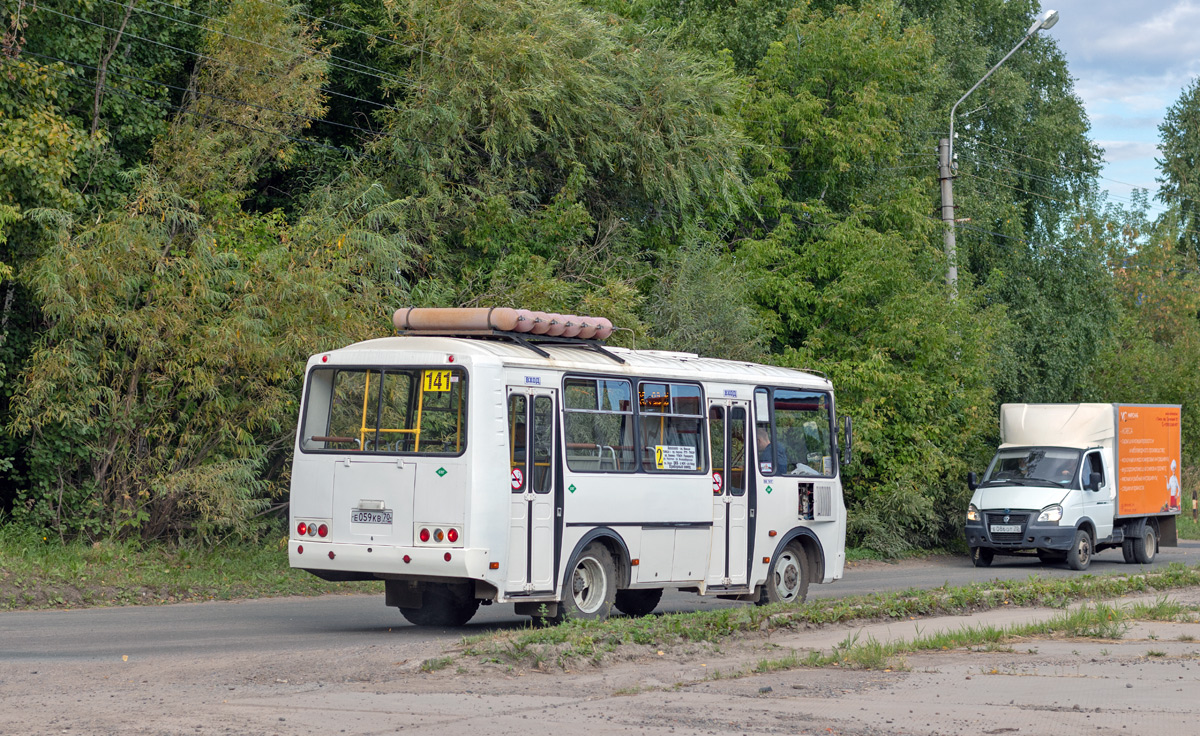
(562, 476)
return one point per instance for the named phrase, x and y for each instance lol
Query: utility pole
(946, 156)
(946, 174)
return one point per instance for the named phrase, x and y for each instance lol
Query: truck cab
(1035, 498)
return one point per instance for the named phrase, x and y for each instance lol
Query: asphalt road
(298, 624)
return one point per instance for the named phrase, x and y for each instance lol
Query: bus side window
(598, 425)
(672, 426)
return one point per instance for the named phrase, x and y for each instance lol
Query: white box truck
(1070, 480)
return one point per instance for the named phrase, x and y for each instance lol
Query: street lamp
(946, 154)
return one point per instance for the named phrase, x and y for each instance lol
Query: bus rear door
(532, 517)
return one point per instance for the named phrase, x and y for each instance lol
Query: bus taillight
(323, 530)
(424, 535)
(302, 529)
(452, 535)
(438, 535)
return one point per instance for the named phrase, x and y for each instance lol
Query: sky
(1131, 60)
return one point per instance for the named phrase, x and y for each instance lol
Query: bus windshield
(410, 411)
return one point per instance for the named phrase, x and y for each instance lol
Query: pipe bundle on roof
(484, 319)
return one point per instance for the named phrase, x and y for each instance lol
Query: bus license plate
(1006, 528)
(365, 516)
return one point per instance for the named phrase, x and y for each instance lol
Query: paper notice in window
(674, 457)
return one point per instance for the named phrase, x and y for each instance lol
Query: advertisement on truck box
(1148, 459)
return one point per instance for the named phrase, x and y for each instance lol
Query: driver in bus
(770, 457)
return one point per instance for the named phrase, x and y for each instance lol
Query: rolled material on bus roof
(505, 319)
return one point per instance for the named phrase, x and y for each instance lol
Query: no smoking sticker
(718, 482)
(518, 479)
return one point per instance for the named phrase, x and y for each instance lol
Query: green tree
(166, 381)
(1180, 165)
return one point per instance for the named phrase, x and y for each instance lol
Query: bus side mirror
(1094, 481)
(972, 480)
(849, 440)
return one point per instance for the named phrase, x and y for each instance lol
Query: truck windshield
(1035, 466)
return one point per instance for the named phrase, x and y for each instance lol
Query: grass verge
(38, 572)
(583, 641)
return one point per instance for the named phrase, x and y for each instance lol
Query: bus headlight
(1051, 514)
(972, 513)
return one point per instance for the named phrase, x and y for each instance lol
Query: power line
(1073, 170)
(206, 94)
(166, 105)
(373, 72)
(231, 65)
(1018, 189)
(393, 42)
(206, 57)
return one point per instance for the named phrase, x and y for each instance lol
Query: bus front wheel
(443, 604)
(787, 579)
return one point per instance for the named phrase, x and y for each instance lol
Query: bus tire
(1145, 545)
(590, 588)
(787, 578)
(443, 605)
(638, 602)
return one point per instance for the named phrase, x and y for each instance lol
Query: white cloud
(1115, 151)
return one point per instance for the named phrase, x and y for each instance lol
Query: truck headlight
(1051, 514)
(972, 513)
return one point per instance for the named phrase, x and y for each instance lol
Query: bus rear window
(388, 411)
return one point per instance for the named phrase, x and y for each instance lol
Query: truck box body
(1144, 439)
(1072, 479)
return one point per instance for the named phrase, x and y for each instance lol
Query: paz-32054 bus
(496, 456)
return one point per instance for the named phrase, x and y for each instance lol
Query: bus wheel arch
(798, 553)
(616, 547)
(812, 550)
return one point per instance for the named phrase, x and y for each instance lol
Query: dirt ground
(1142, 681)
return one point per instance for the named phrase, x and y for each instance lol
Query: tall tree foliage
(1180, 164)
(163, 385)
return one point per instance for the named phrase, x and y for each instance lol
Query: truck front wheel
(982, 556)
(1145, 545)
(1080, 554)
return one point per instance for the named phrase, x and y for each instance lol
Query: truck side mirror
(849, 434)
(1094, 481)
(972, 480)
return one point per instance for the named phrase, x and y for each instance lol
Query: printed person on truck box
(1173, 488)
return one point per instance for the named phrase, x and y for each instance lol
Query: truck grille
(1006, 520)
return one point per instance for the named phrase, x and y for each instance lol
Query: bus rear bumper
(385, 562)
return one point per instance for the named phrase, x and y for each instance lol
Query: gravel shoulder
(1044, 686)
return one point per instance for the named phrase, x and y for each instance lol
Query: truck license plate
(364, 516)
(1006, 528)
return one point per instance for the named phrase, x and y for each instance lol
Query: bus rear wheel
(787, 579)
(443, 604)
(590, 590)
(638, 602)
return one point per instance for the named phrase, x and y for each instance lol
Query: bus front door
(532, 517)
(729, 558)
